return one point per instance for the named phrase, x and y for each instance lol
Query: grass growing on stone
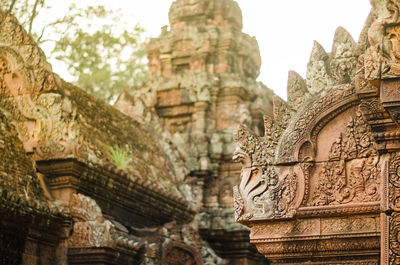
(120, 156)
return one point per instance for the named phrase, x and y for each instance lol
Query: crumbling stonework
(65, 197)
(31, 228)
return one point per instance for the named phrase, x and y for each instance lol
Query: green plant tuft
(120, 156)
(169, 186)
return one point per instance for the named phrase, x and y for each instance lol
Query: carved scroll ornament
(394, 239)
(394, 205)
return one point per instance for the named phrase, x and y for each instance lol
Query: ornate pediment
(316, 176)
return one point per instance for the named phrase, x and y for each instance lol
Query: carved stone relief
(392, 40)
(256, 194)
(179, 256)
(263, 202)
(317, 69)
(352, 173)
(383, 56)
(297, 90)
(36, 115)
(92, 234)
(358, 181)
(343, 63)
(394, 238)
(393, 219)
(286, 193)
(394, 182)
(297, 131)
(307, 169)
(90, 229)
(362, 85)
(262, 195)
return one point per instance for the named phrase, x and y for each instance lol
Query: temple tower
(202, 83)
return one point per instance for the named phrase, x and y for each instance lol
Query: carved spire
(343, 63)
(318, 53)
(343, 44)
(317, 73)
(198, 12)
(297, 90)
(205, 36)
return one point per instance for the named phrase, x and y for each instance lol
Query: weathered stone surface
(343, 58)
(17, 172)
(56, 120)
(70, 134)
(31, 227)
(317, 69)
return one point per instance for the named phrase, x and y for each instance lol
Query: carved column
(390, 222)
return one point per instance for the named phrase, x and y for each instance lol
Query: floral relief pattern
(352, 173)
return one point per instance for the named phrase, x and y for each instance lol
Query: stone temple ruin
(319, 181)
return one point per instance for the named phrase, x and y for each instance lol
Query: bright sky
(285, 29)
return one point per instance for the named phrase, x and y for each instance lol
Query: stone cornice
(117, 192)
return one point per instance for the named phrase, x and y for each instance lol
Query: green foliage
(104, 61)
(27, 187)
(102, 53)
(120, 156)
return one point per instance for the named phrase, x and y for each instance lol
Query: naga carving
(264, 198)
(255, 194)
(260, 193)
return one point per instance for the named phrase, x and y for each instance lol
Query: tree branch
(11, 6)
(33, 16)
(60, 21)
